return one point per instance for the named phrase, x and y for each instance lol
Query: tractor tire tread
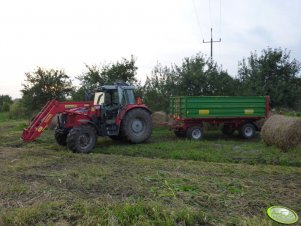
(60, 136)
(72, 136)
(126, 131)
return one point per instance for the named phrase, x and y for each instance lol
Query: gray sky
(65, 34)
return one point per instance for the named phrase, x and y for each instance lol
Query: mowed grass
(218, 181)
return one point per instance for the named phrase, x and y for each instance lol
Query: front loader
(114, 113)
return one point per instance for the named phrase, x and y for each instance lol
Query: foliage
(159, 87)
(3, 116)
(96, 76)
(272, 73)
(200, 76)
(43, 85)
(18, 110)
(5, 102)
(195, 76)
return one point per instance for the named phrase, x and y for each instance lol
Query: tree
(272, 73)
(123, 71)
(200, 76)
(43, 85)
(5, 102)
(159, 87)
(96, 76)
(195, 76)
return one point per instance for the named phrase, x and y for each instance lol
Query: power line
(211, 42)
(220, 18)
(197, 18)
(220, 27)
(210, 16)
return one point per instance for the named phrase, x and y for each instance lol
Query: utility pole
(211, 41)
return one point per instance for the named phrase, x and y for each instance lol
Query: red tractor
(114, 113)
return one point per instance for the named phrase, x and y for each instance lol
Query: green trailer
(232, 112)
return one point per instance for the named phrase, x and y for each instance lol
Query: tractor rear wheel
(137, 125)
(81, 139)
(61, 136)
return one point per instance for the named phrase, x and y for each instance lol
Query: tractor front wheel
(137, 125)
(81, 139)
(61, 136)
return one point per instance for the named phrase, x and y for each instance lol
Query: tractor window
(98, 98)
(111, 97)
(115, 97)
(130, 96)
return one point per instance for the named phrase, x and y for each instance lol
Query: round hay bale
(282, 131)
(170, 120)
(159, 117)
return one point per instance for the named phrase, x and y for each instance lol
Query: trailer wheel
(247, 131)
(137, 125)
(180, 134)
(195, 133)
(228, 129)
(81, 139)
(60, 136)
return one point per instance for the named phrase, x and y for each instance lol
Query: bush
(5, 107)
(17, 110)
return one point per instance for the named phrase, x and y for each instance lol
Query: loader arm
(44, 117)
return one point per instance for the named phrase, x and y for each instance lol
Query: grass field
(167, 181)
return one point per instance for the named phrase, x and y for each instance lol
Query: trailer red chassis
(191, 127)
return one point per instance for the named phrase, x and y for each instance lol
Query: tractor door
(111, 105)
(121, 96)
(126, 96)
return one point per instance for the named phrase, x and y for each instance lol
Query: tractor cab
(112, 98)
(110, 95)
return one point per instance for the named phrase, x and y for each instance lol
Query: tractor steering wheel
(111, 106)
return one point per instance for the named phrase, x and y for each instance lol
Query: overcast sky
(65, 34)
